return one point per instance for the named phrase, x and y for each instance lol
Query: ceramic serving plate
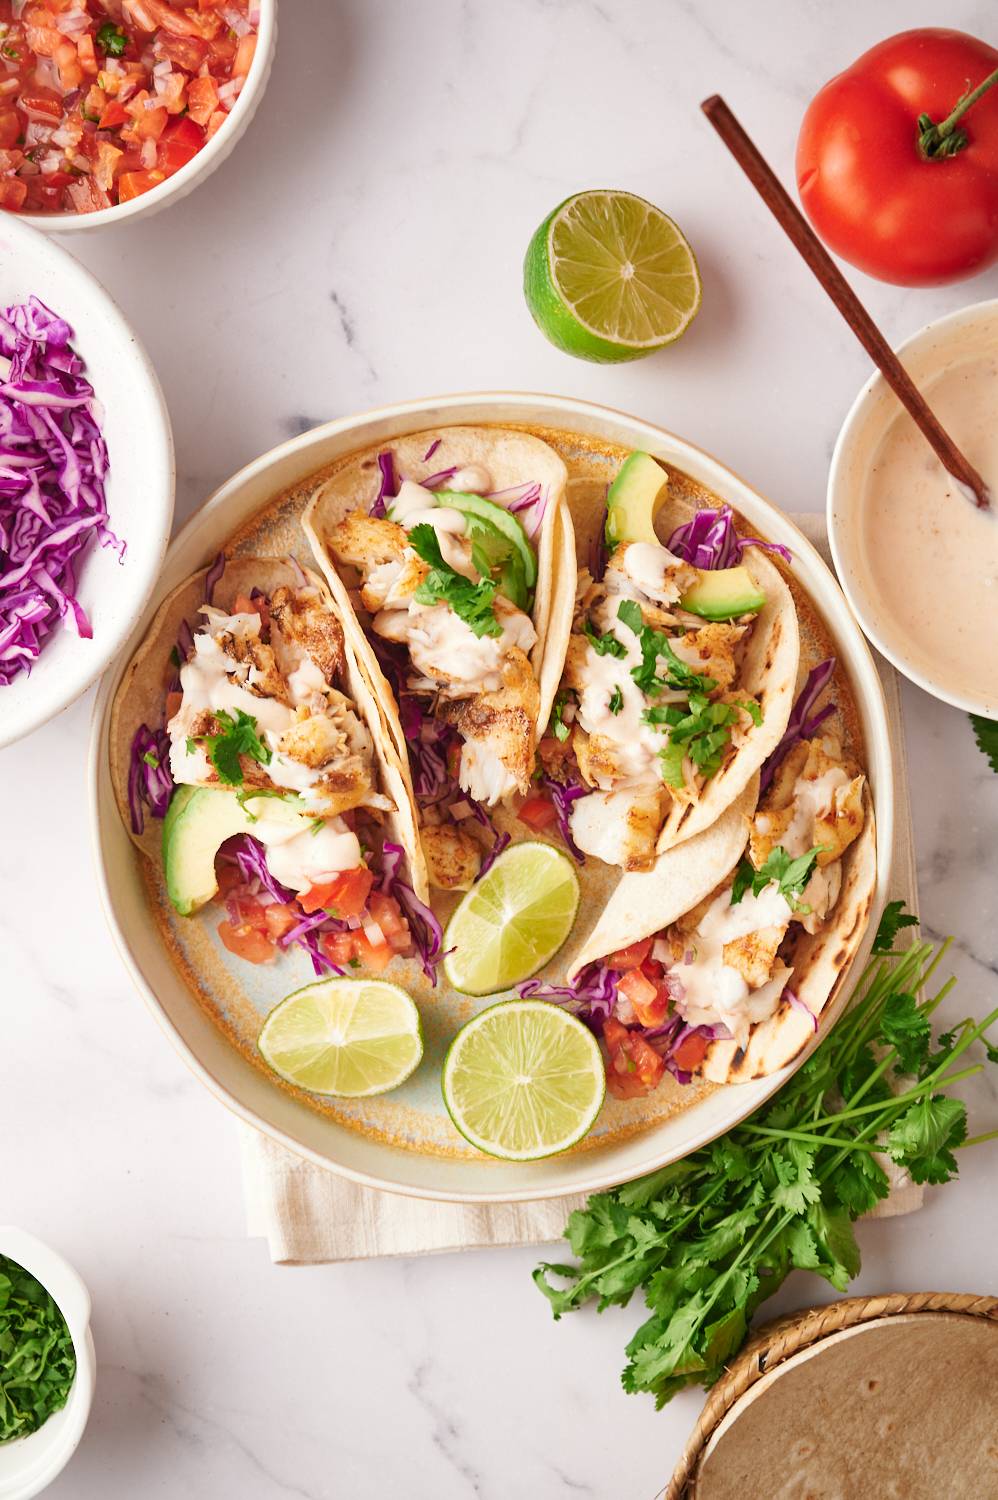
(211, 1005)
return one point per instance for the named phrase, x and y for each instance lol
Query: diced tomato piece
(187, 52)
(649, 1000)
(248, 943)
(105, 166)
(386, 911)
(147, 124)
(229, 877)
(176, 22)
(247, 911)
(631, 957)
(68, 62)
(86, 197)
(88, 55)
(10, 161)
(13, 192)
(373, 957)
(215, 124)
(690, 1052)
(180, 143)
(345, 895)
(634, 1068)
(243, 60)
(202, 99)
(10, 129)
(131, 184)
(339, 947)
(538, 813)
(280, 918)
(41, 104)
(113, 114)
(44, 41)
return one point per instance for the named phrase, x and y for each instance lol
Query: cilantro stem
(977, 1140)
(932, 1081)
(807, 1137)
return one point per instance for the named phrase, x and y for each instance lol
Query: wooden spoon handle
(792, 221)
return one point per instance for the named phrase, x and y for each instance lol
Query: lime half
(346, 1037)
(609, 277)
(511, 922)
(523, 1079)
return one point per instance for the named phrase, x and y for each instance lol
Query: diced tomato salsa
(101, 100)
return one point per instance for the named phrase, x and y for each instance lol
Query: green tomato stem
(937, 142)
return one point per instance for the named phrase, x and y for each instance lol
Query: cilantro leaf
(905, 1027)
(111, 39)
(894, 918)
(922, 1139)
(654, 644)
(556, 723)
(474, 603)
(986, 735)
(616, 701)
(790, 875)
(603, 645)
(236, 737)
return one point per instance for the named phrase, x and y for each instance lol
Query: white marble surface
(362, 245)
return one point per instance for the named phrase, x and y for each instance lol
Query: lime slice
(609, 277)
(347, 1037)
(511, 922)
(523, 1079)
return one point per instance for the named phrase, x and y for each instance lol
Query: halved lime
(523, 1079)
(609, 277)
(511, 922)
(345, 1037)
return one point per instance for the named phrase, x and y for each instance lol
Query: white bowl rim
(160, 443)
(199, 165)
(867, 685)
(856, 596)
(71, 1296)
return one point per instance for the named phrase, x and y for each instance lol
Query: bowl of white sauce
(918, 562)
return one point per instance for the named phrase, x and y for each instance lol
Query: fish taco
(248, 759)
(720, 960)
(680, 661)
(447, 551)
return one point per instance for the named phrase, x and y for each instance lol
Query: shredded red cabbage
(389, 485)
(53, 465)
(710, 541)
(212, 576)
(562, 795)
(251, 858)
(432, 480)
(149, 781)
(520, 500)
(802, 724)
(427, 933)
(431, 450)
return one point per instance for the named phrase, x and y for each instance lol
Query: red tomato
(373, 957)
(538, 813)
(386, 911)
(12, 192)
(10, 129)
(280, 919)
(339, 947)
(649, 999)
(180, 143)
(868, 188)
(111, 115)
(345, 895)
(631, 957)
(248, 943)
(41, 104)
(634, 1068)
(690, 1053)
(131, 184)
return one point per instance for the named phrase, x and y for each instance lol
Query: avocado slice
(198, 821)
(501, 520)
(496, 558)
(723, 593)
(632, 500)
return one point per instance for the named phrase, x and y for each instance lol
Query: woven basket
(777, 1341)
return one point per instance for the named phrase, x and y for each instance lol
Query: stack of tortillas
(872, 1398)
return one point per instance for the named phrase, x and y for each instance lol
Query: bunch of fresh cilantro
(37, 1362)
(709, 1238)
(986, 735)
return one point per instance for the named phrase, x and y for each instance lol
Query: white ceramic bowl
(976, 330)
(140, 485)
(201, 166)
(30, 1463)
(245, 1089)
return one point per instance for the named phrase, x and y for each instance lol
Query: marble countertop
(363, 245)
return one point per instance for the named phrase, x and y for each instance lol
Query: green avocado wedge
(633, 499)
(198, 821)
(501, 520)
(724, 594)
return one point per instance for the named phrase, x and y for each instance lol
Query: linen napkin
(309, 1215)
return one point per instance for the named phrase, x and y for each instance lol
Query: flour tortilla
(141, 694)
(511, 458)
(647, 902)
(900, 1408)
(768, 671)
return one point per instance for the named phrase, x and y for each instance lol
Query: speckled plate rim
(244, 1089)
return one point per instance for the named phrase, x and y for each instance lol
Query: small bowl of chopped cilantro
(47, 1363)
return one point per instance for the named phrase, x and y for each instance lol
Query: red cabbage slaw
(519, 499)
(53, 467)
(592, 996)
(802, 724)
(710, 541)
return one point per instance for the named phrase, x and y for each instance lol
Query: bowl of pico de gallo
(113, 108)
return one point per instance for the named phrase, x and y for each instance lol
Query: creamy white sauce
(811, 798)
(301, 860)
(417, 506)
(473, 479)
(932, 558)
(712, 989)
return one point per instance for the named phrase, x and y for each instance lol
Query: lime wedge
(523, 1079)
(609, 277)
(511, 922)
(346, 1037)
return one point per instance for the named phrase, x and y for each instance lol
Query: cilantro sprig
(603, 645)
(111, 40)
(790, 874)
(986, 735)
(701, 731)
(474, 603)
(654, 644)
(37, 1362)
(236, 737)
(708, 1239)
(556, 724)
